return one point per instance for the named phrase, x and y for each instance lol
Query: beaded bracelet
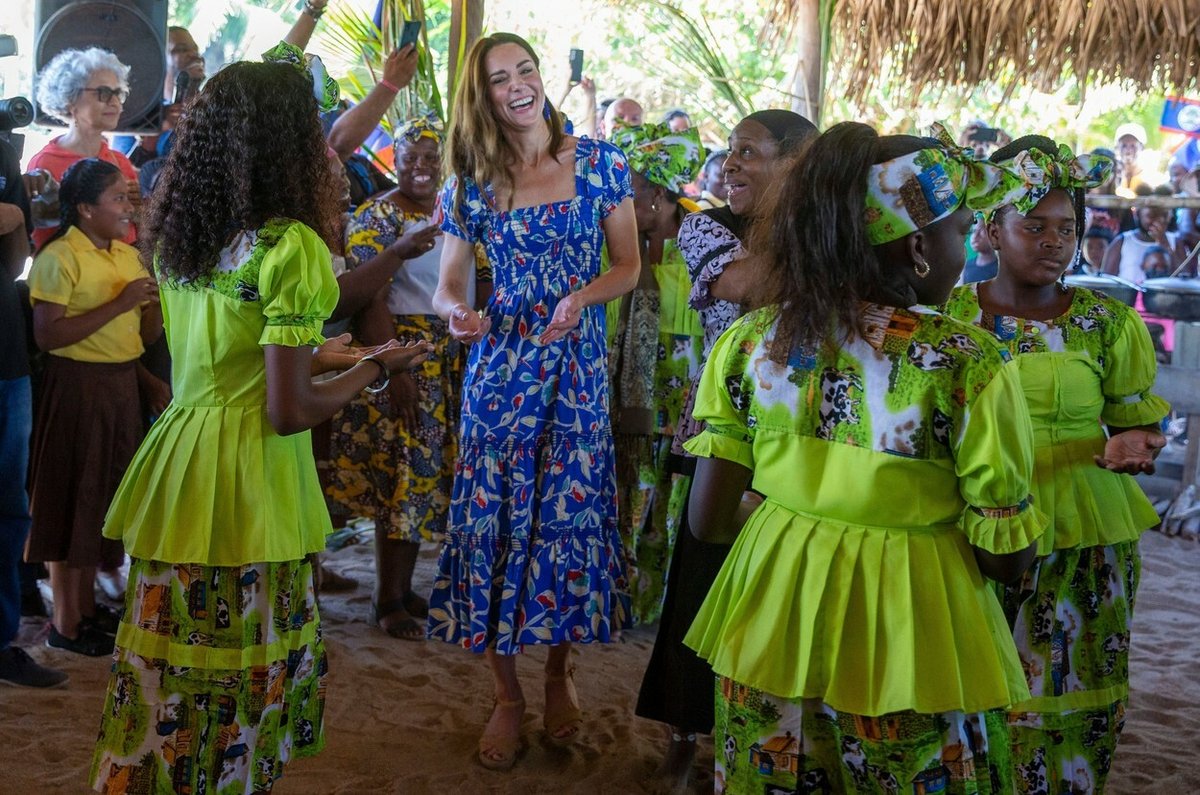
(386, 375)
(312, 10)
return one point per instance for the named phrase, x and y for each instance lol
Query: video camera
(15, 112)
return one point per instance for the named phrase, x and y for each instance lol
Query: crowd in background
(620, 380)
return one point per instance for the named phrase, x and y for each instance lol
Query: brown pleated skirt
(87, 427)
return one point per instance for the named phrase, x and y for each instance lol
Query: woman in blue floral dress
(532, 551)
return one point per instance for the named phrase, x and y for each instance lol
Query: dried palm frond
(922, 43)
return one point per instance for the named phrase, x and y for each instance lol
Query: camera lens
(15, 112)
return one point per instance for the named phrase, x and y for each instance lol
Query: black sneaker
(90, 641)
(18, 668)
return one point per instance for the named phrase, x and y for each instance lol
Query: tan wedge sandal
(507, 746)
(565, 717)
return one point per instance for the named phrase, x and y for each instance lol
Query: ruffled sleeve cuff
(1004, 529)
(1135, 410)
(293, 331)
(717, 442)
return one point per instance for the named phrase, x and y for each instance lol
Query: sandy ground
(405, 717)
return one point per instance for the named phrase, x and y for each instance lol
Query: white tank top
(1133, 251)
(416, 280)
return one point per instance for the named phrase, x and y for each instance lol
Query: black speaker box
(134, 30)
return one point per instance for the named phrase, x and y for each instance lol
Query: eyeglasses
(106, 94)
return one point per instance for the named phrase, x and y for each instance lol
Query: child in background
(94, 309)
(1095, 241)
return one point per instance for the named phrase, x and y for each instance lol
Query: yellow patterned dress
(400, 476)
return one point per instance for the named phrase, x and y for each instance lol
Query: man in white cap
(1129, 142)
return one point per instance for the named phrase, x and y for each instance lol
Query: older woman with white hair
(85, 89)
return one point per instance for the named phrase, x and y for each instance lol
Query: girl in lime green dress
(1086, 363)
(858, 646)
(219, 673)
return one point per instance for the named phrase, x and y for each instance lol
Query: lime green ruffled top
(1091, 367)
(882, 463)
(213, 482)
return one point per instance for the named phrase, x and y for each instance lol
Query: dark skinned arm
(52, 329)
(713, 508)
(1132, 450)
(296, 403)
(152, 323)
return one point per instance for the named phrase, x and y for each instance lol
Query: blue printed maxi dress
(532, 553)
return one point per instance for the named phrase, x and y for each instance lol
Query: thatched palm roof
(1154, 43)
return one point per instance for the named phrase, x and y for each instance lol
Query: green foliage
(357, 49)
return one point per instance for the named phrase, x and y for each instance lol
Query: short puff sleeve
(1129, 371)
(993, 459)
(468, 222)
(724, 397)
(54, 274)
(297, 289)
(708, 247)
(608, 180)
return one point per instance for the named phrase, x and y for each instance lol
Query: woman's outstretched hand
(468, 326)
(401, 356)
(1132, 452)
(334, 355)
(566, 317)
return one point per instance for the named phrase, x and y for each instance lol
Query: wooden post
(470, 14)
(809, 84)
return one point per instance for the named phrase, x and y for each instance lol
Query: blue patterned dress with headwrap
(532, 552)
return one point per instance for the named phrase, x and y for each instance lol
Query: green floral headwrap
(669, 159)
(413, 130)
(1041, 172)
(325, 88)
(918, 189)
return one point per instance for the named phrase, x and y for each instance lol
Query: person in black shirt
(16, 421)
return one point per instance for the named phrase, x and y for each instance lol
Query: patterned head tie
(427, 126)
(1041, 172)
(669, 159)
(325, 88)
(915, 190)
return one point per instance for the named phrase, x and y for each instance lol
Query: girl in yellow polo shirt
(94, 308)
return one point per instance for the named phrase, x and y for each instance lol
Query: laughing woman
(1086, 364)
(532, 554)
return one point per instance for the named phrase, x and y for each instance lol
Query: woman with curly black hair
(218, 679)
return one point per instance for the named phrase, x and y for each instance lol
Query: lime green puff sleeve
(1128, 376)
(994, 463)
(724, 396)
(297, 288)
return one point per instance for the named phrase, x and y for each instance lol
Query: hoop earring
(921, 268)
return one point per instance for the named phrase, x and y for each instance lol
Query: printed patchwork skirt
(1072, 615)
(218, 679)
(768, 745)
(385, 470)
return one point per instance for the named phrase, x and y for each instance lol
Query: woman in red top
(86, 89)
